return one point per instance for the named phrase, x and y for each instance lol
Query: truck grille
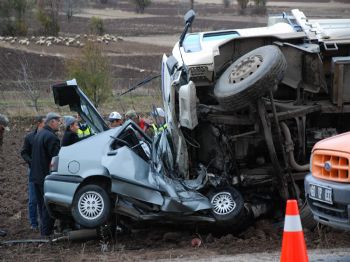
(331, 165)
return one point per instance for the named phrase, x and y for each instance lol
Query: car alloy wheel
(91, 205)
(223, 203)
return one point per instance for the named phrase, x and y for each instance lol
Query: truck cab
(327, 187)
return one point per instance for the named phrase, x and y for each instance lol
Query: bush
(260, 7)
(96, 26)
(226, 3)
(12, 17)
(243, 4)
(140, 5)
(92, 71)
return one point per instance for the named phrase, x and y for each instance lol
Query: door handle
(112, 153)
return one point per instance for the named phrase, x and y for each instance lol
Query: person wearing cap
(70, 135)
(115, 119)
(26, 153)
(159, 125)
(46, 145)
(131, 114)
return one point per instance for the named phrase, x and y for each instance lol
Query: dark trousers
(33, 207)
(47, 223)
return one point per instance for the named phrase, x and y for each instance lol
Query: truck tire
(91, 206)
(250, 77)
(307, 218)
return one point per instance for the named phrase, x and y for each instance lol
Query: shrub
(96, 25)
(243, 4)
(226, 3)
(47, 15)
(92, 71)
(140, 5)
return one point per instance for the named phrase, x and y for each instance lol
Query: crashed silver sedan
(123, 171)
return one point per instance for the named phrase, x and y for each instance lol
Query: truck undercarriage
(250, 108)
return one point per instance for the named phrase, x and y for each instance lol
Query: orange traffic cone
(293, 243)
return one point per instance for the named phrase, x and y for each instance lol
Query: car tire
(227, 205)
(250, 77)
(91, 206)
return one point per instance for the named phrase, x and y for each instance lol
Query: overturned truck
(243, 109)
(249, 104)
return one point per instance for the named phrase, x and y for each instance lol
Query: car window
(135, 140)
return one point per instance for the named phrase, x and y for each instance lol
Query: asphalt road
(315, 255)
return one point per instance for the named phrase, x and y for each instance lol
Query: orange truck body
(327, 187)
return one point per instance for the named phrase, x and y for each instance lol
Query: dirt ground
(145, 38)
(143, 243)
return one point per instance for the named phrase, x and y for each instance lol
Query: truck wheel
(91, 206)
(250, 77)
(307, 218)
(227, 205)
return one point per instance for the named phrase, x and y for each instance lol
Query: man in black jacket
(46, 145)
(26, 154)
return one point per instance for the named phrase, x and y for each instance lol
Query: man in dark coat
(4, 121)
(3, 126)
(26, 154)
(46, 145)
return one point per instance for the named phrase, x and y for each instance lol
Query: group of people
(151, 128)
(39, 147)
(43, 143)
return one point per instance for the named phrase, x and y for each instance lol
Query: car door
(69, 93)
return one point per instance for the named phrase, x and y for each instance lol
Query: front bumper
(336, 215)
(59, 191)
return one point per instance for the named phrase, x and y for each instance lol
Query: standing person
(159, 117)
(70, 135)
(115, 119)
(131, 114)
(26, 154)
(84, 130)
(3, 126)
(46, 145)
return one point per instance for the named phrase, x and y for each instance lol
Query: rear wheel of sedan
(91, 206)
(250, 77)
(227, 206)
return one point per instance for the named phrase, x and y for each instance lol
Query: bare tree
(71, 7)
(26, 81)
(192, 4)
(27, 84)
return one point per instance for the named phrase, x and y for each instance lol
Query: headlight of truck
(199, 73)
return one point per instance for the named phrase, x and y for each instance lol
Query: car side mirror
(189, 17)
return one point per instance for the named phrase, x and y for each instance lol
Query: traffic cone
(293, 243)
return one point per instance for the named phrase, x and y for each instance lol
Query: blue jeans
(33, 206)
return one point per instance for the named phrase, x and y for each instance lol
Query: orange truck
(327, 187)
